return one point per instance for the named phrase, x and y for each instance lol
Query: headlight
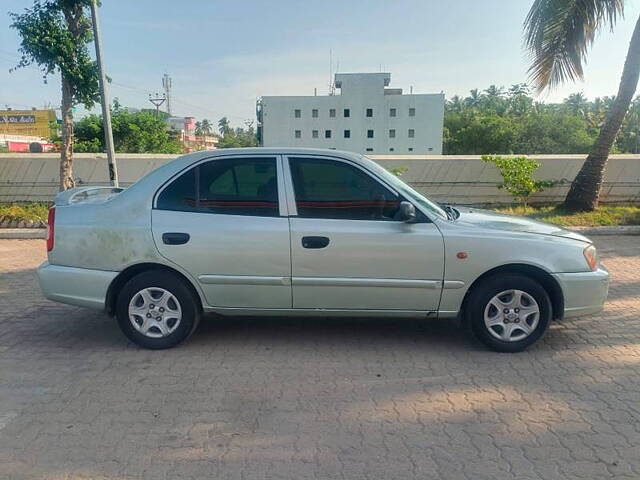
(591, 256)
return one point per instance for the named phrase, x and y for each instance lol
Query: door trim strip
(243, 280)
(364, 282)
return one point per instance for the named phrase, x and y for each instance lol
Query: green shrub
(517, 176)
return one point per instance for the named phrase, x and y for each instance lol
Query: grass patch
(603, 216)
(24, 212)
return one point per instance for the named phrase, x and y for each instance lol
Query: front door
(224, 221)
(349, 250)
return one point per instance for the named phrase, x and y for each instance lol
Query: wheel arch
(543, 277)
(128, 273)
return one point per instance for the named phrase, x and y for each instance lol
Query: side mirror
(407, 212)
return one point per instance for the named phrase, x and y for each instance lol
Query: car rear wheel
(508, 312)
(155, 309)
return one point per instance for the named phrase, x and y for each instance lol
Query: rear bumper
(75, 286)
(584, 292)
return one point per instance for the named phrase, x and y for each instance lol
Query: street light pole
(106, 112)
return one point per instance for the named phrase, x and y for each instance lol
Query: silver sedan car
(308, 232)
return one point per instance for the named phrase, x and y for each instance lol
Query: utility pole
(157, 101)
(166, 84)
(106, 112)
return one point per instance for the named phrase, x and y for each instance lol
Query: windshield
(406, 190)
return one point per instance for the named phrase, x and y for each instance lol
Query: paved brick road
(315, 398)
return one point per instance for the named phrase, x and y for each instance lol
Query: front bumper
(76, 286)
(584, 292)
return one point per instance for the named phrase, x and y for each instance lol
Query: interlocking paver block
(312, 398)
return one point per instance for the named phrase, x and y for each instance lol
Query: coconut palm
(206, 126)
(558, 33)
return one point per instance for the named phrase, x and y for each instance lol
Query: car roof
(197, 156)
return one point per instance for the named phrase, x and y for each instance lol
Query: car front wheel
(155, 309)
(508, 312)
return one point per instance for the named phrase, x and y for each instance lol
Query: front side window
(314, 113)
(347, 134)
(331, 189)
(369, 112)
(298, 134)
(347, 112)
(314, 133)
(246, 186)
(327, 134)
(412, 133)
(369, 133)
(332, 112)
(297, 113)
(412, 112)
(392, 112)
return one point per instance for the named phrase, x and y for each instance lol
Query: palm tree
(577, 104)
(473, 100)
(558, 34)
(206, 126)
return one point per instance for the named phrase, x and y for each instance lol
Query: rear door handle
(315, 242)
(175, 238)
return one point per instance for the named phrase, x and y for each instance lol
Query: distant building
(365, 117)
(32, 123)
(184, 129)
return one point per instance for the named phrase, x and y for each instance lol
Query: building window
(392, 133)
(392, 112)
(369, 149)
(412, 133)
(314, 113)
(327, 134)
(347, 134)
(369, 112)
(332, 112)
(347, 113)
(298, 133)
(391, 149)
(314, 133)
(369, 133)
(410, 149)
(297, 113)
(412, 112)
(430, 149)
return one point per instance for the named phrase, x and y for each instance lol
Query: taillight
(591, 256)
(51, 220)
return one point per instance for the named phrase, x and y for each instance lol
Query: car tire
(156, 310)
(508, 312)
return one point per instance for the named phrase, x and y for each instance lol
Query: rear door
(225, 222)
(349, 249)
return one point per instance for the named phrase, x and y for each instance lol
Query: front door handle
(315, 242)
(175, 238)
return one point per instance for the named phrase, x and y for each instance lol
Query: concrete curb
(23, 233)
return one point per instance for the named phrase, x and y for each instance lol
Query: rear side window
(180, 195)
(332, 189)
(230, 187)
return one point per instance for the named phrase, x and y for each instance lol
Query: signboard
(18, 119)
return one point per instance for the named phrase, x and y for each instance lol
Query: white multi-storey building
(363, 117)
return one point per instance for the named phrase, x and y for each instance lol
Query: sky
(223, 55)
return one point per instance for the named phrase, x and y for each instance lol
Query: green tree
(54, 35)
(236, 137)
(558, 33)
(223, 126)
(141, 132)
